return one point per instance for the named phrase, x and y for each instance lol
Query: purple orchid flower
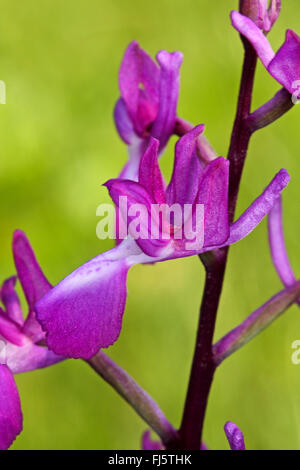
(83, 313)
(277, 246)
(259, 12)
(284, 66)
(20, 340)
(147, 107)
(234, 436)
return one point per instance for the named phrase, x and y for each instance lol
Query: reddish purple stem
(203, 368)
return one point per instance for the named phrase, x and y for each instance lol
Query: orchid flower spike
(284, 66)
(234, 436)
(20, 349)
(260, 13)
(148, 103)
(83, 313)
(277, 246)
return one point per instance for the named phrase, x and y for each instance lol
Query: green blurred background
(59, 60)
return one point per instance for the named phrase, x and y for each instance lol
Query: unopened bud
(263, 12)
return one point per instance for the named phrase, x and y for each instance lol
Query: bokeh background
(59, 60)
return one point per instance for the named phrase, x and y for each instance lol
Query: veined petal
(259, 208)
(285, 67)
(163, 126)
(83, 313)
(234, 436)
(30, 357)
(10, 409)
(255, 36)
(11, 301)
(149, 173)
(277, 245)
(34, 283)
(184, 183)
(139, 70)
(213, 194)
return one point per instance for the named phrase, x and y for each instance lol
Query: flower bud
(264, 16)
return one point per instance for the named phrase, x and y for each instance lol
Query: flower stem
(203, 366)
(241, 132)
(280, 104)
(140, 400)
(255, 323)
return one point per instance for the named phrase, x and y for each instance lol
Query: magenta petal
(213, 193)
(285, 67)
(134, 192)
(164, 123)
(139, 70)
(277, 245)
(234, 436)
(123, 122)
(11, 331)
(33, 281)
(32, 278)
(184, 183)
(10, 409)
(259, 208)
(30, 357)
(135, 195)
(83, 313)
(11, 301)
(150, 175)
(255, 36)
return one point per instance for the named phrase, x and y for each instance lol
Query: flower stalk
(203, 366)
(255, 323)
(274, 109)
(241, 133)
(137, 398)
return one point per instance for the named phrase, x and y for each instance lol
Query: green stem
(140, 400)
